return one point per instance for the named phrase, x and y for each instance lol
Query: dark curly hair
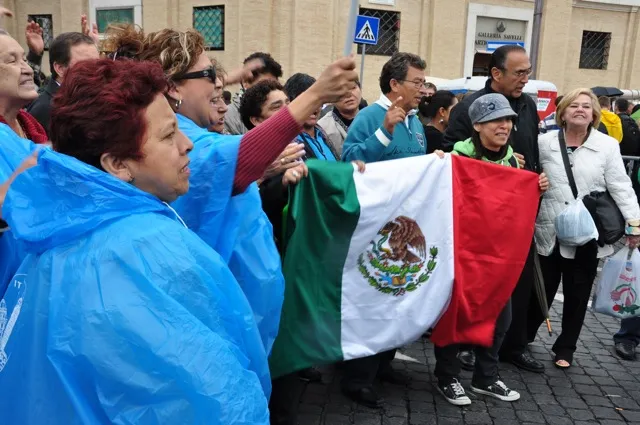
(253, 100)
(270, 65)
(298, 84)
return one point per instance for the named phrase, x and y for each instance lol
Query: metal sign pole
(351, 27)
(364, 48)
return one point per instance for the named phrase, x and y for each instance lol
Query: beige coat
(334, 131)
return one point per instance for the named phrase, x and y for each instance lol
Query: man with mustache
(509, 72)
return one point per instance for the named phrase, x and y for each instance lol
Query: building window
(106, 17)
(46, 23)
(388, 33)
(594, 53)
(209, 21)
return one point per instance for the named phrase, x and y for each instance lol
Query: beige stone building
(584, 42)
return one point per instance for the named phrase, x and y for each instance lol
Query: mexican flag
(375, 259)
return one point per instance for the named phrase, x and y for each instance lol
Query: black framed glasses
(209, 73)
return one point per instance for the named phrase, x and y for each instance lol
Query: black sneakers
(497, 390)
(454, 393)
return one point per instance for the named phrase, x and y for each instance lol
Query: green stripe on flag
(323, 214)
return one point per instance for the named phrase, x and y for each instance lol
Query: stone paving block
(581, 379)
(394, 421)
(304, 419)
(558, 420)
(544, 399)
(422, 419)
(580, 414)
(553, 410)
(449, 411)
(366, 419)
(527, 416)
(502, 413)
(605, 413)
(448, 421)
(588, 389)
(335, 419)
(612, 422)
(560, 382)
(593, 400)
(572, 403)
(596, 372)
(421, 406)
(625, 403)
(476, 418)
(395, 411)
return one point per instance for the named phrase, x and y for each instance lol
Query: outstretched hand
(33, 34)
(90, 31)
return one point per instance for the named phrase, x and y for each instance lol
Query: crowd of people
(143, 219)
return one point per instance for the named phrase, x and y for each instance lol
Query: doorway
(481, 62)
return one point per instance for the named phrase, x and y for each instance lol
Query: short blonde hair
(571, 97)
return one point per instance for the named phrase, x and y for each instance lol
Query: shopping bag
(617, 290)
(575, 226)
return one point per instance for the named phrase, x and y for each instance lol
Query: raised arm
(262, 145)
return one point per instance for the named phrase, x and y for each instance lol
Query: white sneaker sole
(513, 397)
(459, 402)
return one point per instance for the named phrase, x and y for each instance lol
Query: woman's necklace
(21, 132)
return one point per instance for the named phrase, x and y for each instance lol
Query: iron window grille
(46, 23)
(594, 53)
(209, 21)
(388, 33)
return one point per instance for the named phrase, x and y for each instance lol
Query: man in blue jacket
(390, 129)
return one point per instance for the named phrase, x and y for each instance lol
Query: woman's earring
(441, 121)
(178, 104)
(131, 179)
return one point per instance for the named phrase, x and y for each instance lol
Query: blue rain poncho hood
(13, 151)
(234, 226)
(119, 313)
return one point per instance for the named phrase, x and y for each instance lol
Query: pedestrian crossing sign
(366, 30)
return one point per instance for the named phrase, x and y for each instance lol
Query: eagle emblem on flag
(396, 261)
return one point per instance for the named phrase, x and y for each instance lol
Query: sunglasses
(209, 73)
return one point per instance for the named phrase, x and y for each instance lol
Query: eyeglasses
(520, 74)
(417, 84)
(209, 73)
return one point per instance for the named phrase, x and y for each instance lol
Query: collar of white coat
(385, 103)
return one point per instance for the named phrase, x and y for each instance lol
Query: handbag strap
(567, 164)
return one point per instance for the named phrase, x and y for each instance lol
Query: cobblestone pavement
(598, 389)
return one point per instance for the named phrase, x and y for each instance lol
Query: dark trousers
(285, 399)
(360, 373)
(577, 276)
(629, 331)
(486, 369)
(515, 342)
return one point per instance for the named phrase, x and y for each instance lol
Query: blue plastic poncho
(234, 226)
(119, 314)
(13, 150)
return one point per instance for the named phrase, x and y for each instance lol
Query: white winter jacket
(597, 167)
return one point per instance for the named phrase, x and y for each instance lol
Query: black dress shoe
(467, 360)
(626, 350)
(365, 396)
(392, 376)
(526, 362)
(310, 375)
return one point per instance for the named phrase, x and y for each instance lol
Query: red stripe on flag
(494, 212)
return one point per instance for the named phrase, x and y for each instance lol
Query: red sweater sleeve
(261, 146)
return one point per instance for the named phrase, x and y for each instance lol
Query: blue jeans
(629, 331)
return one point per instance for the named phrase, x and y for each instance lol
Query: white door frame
(475, 10)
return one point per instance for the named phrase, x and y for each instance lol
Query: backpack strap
(513, 161)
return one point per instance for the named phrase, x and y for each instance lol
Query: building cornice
(608, 5)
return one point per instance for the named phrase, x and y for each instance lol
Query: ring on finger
(284, 160)
(295, 174)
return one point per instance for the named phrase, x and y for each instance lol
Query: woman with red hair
(120, 313)
(223, 205)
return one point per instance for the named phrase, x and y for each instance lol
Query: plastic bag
(617, 291)
(575, 226)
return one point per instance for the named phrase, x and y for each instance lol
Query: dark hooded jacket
(524, 136)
